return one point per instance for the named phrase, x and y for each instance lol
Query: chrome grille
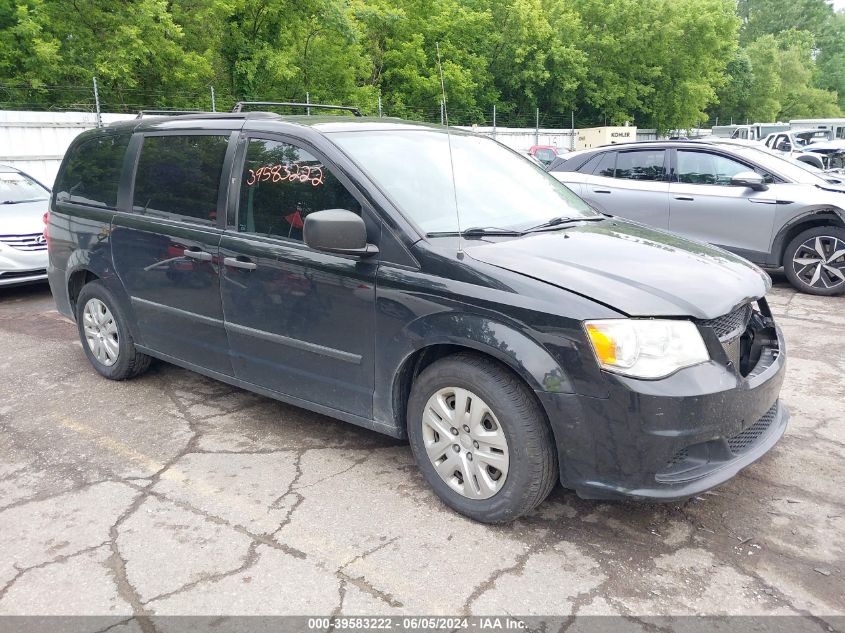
(28, 242)
(745, 439)
(731, 324)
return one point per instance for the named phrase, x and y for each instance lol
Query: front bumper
(22, 267)
(673, 438)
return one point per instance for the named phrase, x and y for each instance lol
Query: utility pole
(379, 105)
(537, 127)
(442, 117)
(308, 100)
(213, 102)
(97, 104)
(572, 123)
(494, 120)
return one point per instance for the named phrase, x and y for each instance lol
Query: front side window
(178, 177)
(16, 188)
(281, 184)
(704, 168)
(91, 173)
(641, 165)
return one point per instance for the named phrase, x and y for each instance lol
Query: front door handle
(198, 254)
(601, 190)
(236, 262)
(688, 198)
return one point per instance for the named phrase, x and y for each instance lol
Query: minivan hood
(23, 218)
(632, 268)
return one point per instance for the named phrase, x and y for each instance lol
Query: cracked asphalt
(175, 494)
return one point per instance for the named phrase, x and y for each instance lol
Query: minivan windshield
(493, 187)
(15, 188)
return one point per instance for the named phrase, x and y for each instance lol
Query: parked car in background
(426, 283)
(545, 153)
(23, 244)
(744, 199)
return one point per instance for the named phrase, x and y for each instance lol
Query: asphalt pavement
(176, 494)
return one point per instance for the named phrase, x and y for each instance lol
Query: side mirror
(337, 231)
(749, 179)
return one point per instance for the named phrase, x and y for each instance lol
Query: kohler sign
(595, 136)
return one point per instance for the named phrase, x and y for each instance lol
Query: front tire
(105, 336)
(480, 438)
(814, 261)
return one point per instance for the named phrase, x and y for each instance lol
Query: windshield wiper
(22, 201)
(476, 231)
(558, 221)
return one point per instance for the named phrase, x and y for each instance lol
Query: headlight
(646, 348)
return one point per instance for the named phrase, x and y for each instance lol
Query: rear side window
(641, 165)
(91, 172)
(178, 176)
(281, 184)
(606, 165)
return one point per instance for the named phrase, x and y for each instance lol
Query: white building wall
(35, 142)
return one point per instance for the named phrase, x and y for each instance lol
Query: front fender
(504, 342)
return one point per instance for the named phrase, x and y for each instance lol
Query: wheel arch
(808, 219)
(508, 347)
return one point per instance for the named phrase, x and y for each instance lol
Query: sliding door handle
(198, 254)
(601, 190)
(687, 198)
(238, 262)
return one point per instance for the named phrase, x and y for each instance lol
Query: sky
(838, 5)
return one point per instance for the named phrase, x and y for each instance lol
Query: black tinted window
(180, 176)
(641, 165)
(281, 185)
(91, 172)
(590, 165)
(606, 165)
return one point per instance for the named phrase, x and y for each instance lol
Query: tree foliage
(661, 63)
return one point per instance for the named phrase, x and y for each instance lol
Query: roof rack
(240, 105)
(143, 113)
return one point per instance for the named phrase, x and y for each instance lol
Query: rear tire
(814, 261)
(105, 336)
(468, 417)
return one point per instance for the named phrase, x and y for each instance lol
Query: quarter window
(179, 176)
(91, 174)
(281, 184)
(642, 165)
(703, 168)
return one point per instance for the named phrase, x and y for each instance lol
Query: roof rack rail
(240, 105)
(143, 113)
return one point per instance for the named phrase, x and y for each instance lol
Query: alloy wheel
(101, 332)
(465, 443)
(820, 262)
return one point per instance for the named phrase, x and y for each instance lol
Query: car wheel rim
(820, 262)
(465, 443)
(101, 332)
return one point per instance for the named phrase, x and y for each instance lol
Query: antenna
(449, 141)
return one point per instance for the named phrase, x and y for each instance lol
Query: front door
(299, 321)
(166, 249)
(705, 206)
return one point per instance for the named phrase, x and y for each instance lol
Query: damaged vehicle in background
(424, 283)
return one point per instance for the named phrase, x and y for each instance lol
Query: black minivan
(426, 283)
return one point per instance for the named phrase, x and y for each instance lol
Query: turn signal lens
(646, 348)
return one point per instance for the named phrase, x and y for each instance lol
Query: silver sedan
(23, 244)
